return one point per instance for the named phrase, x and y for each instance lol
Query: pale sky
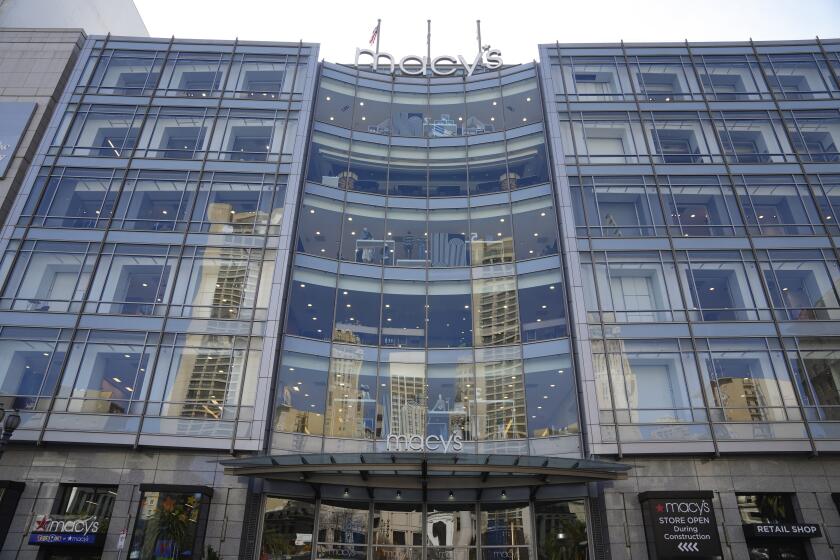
(514, 26)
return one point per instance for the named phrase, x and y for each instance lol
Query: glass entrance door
(350, 530)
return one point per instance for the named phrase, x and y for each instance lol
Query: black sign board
(781, 530)
(680, 525)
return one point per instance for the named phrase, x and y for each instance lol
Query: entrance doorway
(348, 530)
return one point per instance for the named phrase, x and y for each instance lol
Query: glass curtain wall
(165, 267)
(727, 237)
(427, 296)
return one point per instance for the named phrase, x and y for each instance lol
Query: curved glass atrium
(426, 294)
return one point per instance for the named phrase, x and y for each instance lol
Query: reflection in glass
(287, 529)
(561, 530)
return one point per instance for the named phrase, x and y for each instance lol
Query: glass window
(748, 383)
(815, 135)
(157, 201)
(261, 77)
(541, 306)
(74, 198)
(491, 235)
(723, 290)
(363, 235)
(617, 207)
(127, 72)
(663, 78)
(132, 280)
(451, 399)
(527, 162)
(342, 528)
(335, 103)
(561, 530)
(817, 370)
(451, 531)
(48, 276)
(602, 137)
(752, 138)
(505, 529)
(249, 136)
(495, 311)
(730, 77)
(592, 78)
(170, 525)
(500, 400)
(319, 230)
(802, 285)
(373, 110)
(30, 365)
(87, 501)
(301, 393)
(404, 314)
(311, 304)
(194, 75)
(403, 391)
(239, 204)
(176, 133)
(522, 103)
(634, 287)
(488, 168)
(535, 224)
(103, 131)
(484, 110)
(406, 238)
(107, 374)
(351, 399)
(357, 310)
(797, 76)
(287, 529)
(681, 138)
(410, 114)
(450, 317)
(223, 283)
(447, 113)
(397, 531)
(550, 396)
(368, 170)
(202, 378)
(700, 206)
(448, 235)
(766, 508)
(408, 173)
(447, 171)
(777, 205)
(328, 160)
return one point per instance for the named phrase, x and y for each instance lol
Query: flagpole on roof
(378, 33)
(478, 36)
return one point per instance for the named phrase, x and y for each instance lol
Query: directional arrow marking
(688, 547)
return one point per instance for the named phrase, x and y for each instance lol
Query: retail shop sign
(781, 530)
(66, 530)
(418, 443)
(443, 65)
(14, 118)
(680, 525)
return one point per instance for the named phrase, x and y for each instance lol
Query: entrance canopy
(425, 470)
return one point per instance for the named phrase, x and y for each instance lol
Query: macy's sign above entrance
(443, 65)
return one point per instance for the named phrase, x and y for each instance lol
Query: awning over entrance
(425, 470)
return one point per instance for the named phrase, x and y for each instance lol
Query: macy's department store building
(255, 306)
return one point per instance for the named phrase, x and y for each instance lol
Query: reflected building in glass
(329, 311)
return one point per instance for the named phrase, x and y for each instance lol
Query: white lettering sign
(49, 524)
(444, 65)
(414, 442)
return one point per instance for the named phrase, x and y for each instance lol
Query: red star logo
(660, 508)
(41, 524)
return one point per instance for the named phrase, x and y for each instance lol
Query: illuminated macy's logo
(416, 442)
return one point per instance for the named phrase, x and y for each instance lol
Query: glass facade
(137, 271)
(426, 294)
(706, 238)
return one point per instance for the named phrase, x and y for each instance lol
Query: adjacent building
(257, 306)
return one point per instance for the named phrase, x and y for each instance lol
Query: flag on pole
(374, 34)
